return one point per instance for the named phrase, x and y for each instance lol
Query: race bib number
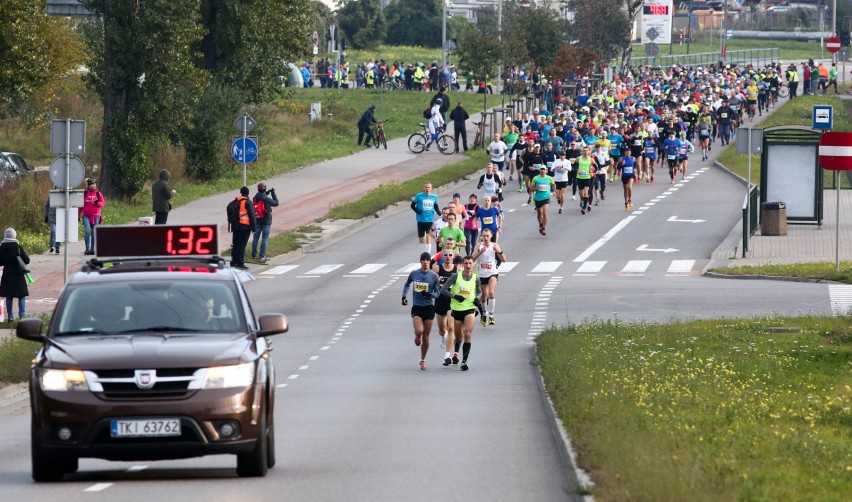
(536, 166)
(682, 151)
(485, 266)
(466, 292)
(421, 286)
(549, 165)
(650, 149)
(637, 142)
(488, 220)
(428, 205)
(724, 115)
(671, 157)
(542, 187)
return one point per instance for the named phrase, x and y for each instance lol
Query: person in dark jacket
(459, 115)
(13, 283)
(161, 193)
(50, 219)
(246, 224)
(364, 125)
(264, 221)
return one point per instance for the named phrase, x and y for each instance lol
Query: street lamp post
(443, 34)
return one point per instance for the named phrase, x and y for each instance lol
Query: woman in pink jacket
(93, 202)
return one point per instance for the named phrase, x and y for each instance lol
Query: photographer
(263, 202)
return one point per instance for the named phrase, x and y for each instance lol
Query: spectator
(13, 283)
(93, 203)
(161, 194)
(459, 115)
(264, 220)
(246, 224)
(50, 219)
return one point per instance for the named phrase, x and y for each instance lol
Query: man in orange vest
(243, 230)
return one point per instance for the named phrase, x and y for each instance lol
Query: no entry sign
(832, 45)
(835, 151)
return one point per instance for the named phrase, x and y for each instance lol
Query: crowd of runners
(629, 130)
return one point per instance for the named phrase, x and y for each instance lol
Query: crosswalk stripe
(408, 268)
(681, 267)
(368, 268)
(507, 267)
(591, 267)
(324, 269)
(546, 267)
(280, 269)
(636, 267)
(840, 296)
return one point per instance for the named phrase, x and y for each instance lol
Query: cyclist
(436, 122)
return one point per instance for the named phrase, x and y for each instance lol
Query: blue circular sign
(244, 150)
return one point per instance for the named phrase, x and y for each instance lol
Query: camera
(270, 191)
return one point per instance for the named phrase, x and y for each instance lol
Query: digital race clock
(655, 10)
(157, 240)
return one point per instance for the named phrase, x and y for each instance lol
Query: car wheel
(270, 444)
(47, 468)
(255, 463)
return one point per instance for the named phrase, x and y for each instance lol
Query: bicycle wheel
(416, 142)
(446, 144)
(384, 141)
(784, 92)
(377, 139)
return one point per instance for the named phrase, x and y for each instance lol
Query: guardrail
(757, 57)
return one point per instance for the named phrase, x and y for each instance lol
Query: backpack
(427, 113)
(233, 212)
(259, 208)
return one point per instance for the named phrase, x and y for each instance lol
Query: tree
(414, 22)
(478, 50)
(572, 58)
(38, 52)
(143, 67)
(631, 9)
(604, 35)
(363, 22)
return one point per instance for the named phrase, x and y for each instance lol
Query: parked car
(12, 165)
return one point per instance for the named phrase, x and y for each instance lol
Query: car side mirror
(29, 329)
(272, 324)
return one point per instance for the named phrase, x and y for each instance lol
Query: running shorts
(636, 151)
(423, 228)
(442, 305)
(459, 315)
(625, 178)
(584, 183)
(484, 280)
(561, 184)
(540, 203)
(673, 162)
(425, 312)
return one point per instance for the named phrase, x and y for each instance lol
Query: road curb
(567, 454)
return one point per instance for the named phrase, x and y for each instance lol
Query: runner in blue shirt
(616, 141)
(425, 290)
(627, 173)
(650, 156)
(683, 149)
(489, 217)
(671, 146)
(425, 204)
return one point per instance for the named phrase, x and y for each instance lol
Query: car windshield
(131, 307)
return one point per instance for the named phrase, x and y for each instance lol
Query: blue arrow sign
(244, 150)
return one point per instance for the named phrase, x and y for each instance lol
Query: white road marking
(408, 268)
(293, 377)
(368, 268)
(97, 487)
(280, 269)
(591, 267)
(281, 385)
(600, 242)
(506, 267)
(303, 367)
(636, 267)
(546, 267)
(314, 358)
(680, 267)
(324, 269)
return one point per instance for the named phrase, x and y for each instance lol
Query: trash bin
(773, 218)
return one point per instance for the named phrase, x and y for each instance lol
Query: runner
(423, 295)
(437, 225)
(650, 156)
(425, 204)
(602, 166)
(464, 292)
(705, 128)
(489, 217)
(533, 162)
(584, 180)
(471, 224)
(490, 183)
(452, 231)
(561, 171)
(445, 267)
(497, 149)
(671, 148)
(626, 173)
(490, 255)
(684, 146)
(544, 186)
(511, 138)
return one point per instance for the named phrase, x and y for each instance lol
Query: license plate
(156, 427)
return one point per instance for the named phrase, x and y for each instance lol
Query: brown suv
(152, 358)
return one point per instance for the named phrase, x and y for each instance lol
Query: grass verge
(821, 271)
(707, 410)
(791, 50)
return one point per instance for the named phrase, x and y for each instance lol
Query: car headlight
(63, 380)
(225, 377)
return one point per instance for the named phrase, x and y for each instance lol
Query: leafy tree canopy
(363, 22)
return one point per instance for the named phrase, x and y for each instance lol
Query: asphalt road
(355, 416)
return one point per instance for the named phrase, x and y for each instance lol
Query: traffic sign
(652, 49)
(832, 45)
(315, 38)
(244, 150)
(823, 117)
(835, 151)
(57, 172)
(245, 123)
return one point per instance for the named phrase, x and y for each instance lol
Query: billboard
(657, 21)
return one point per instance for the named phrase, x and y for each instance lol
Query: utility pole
(833, 30)
(500, 42)
(443, 34)
(723, 53)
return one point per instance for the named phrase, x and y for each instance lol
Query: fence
(756, 57)
(751, 204)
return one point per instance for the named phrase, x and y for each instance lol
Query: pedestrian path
(620, 268)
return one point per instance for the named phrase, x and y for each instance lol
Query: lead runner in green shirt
(543, 185)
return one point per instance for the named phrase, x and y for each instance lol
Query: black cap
(244, 191)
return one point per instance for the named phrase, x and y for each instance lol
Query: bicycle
(379, 136)
(784, 90)
(417, 141)
(477, 140)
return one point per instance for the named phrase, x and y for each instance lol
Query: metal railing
(757, 57)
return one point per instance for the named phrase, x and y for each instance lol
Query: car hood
(182, 350)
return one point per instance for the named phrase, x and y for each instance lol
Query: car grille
(169, 383)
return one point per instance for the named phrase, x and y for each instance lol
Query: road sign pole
(245, 152)
(837, 223)
(748, 187)
(67, 196)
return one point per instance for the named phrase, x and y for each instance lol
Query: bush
(207, 136)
